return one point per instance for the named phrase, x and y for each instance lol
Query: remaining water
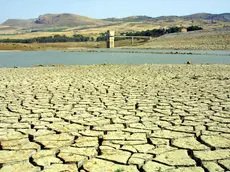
(32, 58)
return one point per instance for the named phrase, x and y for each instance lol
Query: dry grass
(140, 26)
(64, 46)
(48, 46)
(36, 34)
(196, 40)
(219, 40)
(11, 46)
(94, 31)
(193, 40)
(2, 26)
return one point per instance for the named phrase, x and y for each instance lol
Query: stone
(167, 134)
(119, 156)
(15, 156)
(44, 153)
(189, 143)
(182, 158)
(24, 166)
(116, 136)
(12, 136)
(128, 142)
(54, 137)
(163, 149)
(188, 129)
(159, 141)
(47, 161)
(11, 143)
(137, 137)
(151, 166)
(110, 144)
(216, 141)
(135, 130)
(89, 152)
(55, 144)
(144, 148)
(139, 159)
(188, 169)
(225, 163)
(129, 148)
(212, 155)
(212, 166)
(73, 158)
(91, 133)
(86, 142)
(105, 147)
(109, 127)
(35, 133)
(98, 165)
(26, 146)
(61, 167)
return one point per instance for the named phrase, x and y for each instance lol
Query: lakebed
(115, 118)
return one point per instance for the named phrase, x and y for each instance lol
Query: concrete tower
(110, 39)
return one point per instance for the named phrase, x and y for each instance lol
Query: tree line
(50, 39)
(193, 28)
(160, 32)
(101, 37)
(152, 33)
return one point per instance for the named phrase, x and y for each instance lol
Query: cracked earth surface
(112, 118)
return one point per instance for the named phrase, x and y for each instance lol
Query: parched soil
(64, 45)
(112, 118)
(50, 46)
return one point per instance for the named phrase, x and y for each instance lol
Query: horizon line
(116, 17)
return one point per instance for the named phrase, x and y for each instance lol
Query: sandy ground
(4, 51)
(115, 118)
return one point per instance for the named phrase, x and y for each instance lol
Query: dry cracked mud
(113, 118)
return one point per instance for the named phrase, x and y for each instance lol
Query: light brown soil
(111, 118)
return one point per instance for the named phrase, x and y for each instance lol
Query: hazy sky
(24, 9)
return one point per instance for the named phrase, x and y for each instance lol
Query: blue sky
(24, 9)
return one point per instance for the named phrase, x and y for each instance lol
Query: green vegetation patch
(50, 39)
(160, 32)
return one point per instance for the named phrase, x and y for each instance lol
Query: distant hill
(18, 22)
(55, 20)
(130, 19)
(67, 20)
(220, 17)
(198, 16)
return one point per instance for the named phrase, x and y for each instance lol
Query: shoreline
(125, 47)
(56, 66)
(5, 51)
(130, 51)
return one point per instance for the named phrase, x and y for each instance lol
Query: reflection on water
(32, 58)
